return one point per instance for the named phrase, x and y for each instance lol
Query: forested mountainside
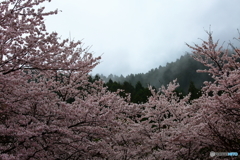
(183, 69)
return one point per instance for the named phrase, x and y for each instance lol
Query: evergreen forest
(183, 69)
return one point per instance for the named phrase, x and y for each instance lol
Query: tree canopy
(51, 108)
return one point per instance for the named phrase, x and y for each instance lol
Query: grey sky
(134, 36)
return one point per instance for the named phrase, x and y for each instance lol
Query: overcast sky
(134, 36)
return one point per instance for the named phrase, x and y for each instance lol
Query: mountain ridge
(183, 69)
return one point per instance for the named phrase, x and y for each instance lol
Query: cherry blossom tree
(160, 124)
(48, 108)
(217, 119)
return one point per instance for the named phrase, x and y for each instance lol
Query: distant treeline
(183, 69)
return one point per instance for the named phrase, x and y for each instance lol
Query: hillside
(184, 69)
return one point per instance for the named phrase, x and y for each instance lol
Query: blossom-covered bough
(50, 110)
(219, 107)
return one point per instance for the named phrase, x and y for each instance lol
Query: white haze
(134, 36)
